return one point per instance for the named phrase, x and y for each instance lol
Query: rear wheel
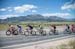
(44, 33)
(33, 32)
(56, 32)
(22, 33)
(26, 33)
(15, 32)
(67, 31)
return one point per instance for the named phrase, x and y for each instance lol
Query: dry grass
(69, 45)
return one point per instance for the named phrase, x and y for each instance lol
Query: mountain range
(35, 17)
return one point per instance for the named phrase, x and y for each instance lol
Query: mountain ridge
(35, 17)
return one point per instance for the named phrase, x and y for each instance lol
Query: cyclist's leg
(20, 30)
(31, 31)
(41, 31)
(54, 31)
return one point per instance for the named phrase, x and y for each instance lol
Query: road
(21, 39)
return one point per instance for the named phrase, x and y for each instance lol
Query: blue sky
(14, 8)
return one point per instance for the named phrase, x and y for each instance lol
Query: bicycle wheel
(26, 33)
(56, 33)
(44, 33)
(8, 33)
(34, 32)
(22, 33)
(15, 32)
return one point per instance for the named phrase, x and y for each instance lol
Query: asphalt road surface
(21, 39)
(18, 39)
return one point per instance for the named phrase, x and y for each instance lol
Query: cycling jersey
(20, 28)
(30, 27)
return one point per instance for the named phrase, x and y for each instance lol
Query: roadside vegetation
(69, 45)
(35, 24)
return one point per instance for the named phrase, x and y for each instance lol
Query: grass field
(35, 24)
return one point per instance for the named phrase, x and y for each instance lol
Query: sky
(16, 8)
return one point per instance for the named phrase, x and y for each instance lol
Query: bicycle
(29, 32)
(67, 31)
(13, 32)
(55, 32)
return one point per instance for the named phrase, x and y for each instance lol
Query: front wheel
(8, 33)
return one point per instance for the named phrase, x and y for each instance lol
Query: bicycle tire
(8, 33)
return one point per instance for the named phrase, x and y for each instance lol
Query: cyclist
(73, 28)
(20, 28)
(11, 29)
(41, 29)
(54, 29)
(68, 28)
(30, 28)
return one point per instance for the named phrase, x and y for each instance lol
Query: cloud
(24, 8)
(56, 14)
(20, 9)
(69, 5)
(33, 11)
(7, 16)
(3, 9)
(6, 9)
